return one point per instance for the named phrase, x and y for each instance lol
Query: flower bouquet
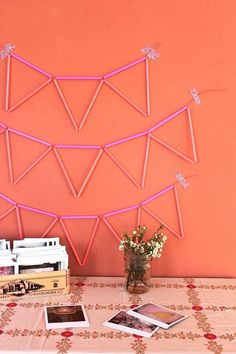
(138, 254)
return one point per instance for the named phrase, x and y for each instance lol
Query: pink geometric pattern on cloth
(101, 150)
(102, 80)
(60, 219)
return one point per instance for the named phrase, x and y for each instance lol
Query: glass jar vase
(137, 272)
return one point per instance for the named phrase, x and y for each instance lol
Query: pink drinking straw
(78, 77)
(10, 163)
(158, 125)
(84, 118)
(7, 199)
(121, 167)
(147, 87)
(99, 155)
(32, 165)
(157, 195)
(111, 228)
(94, 232)
(49, 228)
(7, 212)
(145, 160)
(30, 65)
(179, 211)
(8, 82)
(58, 157)
(28, 136)
(169, 147)
(30, 95)
(61, 146)
(39, 211)
(9, 156)
(70, 241)
(121, 211)
(124, 67)
(192, 135)
(161, 221)
(139, 210)
(65, 104)
(125, 139)
(79, 217)
(125, 97)
(19, 223)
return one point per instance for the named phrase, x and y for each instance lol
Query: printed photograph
(159, 313)
(63, 316)
(123, 319)
(8, 270)
(45, 267)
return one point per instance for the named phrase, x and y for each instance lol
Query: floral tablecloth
(210, 305)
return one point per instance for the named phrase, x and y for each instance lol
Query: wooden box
(35, 284)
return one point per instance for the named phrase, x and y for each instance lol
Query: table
(209, 303)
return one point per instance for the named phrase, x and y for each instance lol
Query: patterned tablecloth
(210, 305)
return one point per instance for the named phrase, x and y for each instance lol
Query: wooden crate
(35, 284)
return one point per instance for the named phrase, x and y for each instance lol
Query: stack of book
(32, 255)
(33, 265)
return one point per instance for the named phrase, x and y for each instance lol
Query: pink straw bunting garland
(55, 79)
(100, 150)
(97, 219)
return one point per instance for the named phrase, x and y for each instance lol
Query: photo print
(65, 316)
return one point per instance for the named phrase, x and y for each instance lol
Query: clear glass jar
(137, 273)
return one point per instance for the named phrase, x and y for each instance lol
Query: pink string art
(101, 150)
(61, 220)
(55, 80)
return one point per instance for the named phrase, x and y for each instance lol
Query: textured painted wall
(93, 38)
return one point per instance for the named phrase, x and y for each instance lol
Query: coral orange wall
(195, 41)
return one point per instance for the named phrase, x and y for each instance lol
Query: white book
(158, 315)
(34, 250)
(5, 253)
(31, 242)
(65, 316)
(6, 259)
(4, 245)
(125, 322)
(40, 258)
(41, 263)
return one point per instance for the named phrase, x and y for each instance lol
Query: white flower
(133, 244)
(142, 249)
(154, 252)
(147, 248)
